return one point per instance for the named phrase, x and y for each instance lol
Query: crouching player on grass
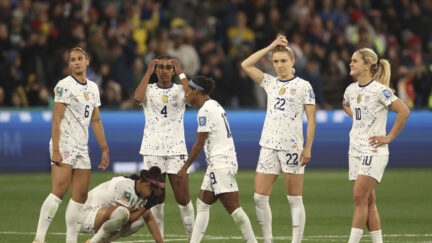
(119, 207)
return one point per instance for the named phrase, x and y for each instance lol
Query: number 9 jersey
(164, 129)
(80, 100)
(283, 126)
(369, 107)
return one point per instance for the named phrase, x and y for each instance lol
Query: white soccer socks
(243, 223)
(128, 229)
(47, 213)
(72, 213)
(119, 217)
(264, 216)
(158, 214)
(376, 236)
(201, 221)
(298, 216)
(187, 215)
(355, 236)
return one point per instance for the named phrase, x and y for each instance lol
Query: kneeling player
(119, 207)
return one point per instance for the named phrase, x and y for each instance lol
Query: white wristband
(182, 76)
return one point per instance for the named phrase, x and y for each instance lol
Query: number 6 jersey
(80, 100)
(164, 130)
(368, 104)
(283, 126)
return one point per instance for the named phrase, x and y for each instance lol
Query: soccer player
(367, 101)
(119, 207)
(281, 141)
(219, 181)
(163, 143)
(76, 105)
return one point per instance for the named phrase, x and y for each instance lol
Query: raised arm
(58, 113)
(179, 71)
(248, 64)
(140, 92)
(305, 156)
(403, 112)
(195, 151)
(100, 137)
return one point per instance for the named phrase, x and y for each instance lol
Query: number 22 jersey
(283, 125)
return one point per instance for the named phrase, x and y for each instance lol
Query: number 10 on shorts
(367, 160)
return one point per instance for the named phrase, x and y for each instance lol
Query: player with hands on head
(76, 105)
(120, 207)
(163, 143)
(282, 143)
(214, 135)
(367, 101)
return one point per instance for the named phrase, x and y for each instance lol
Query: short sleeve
(308, 95)
(96, 102)
(123, 194)
(346, 97)
(386, 97)
(62, 93)
(204, 121)
(266, 81)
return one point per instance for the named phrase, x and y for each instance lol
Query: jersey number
(164, 111)
(224, 116)
(212, 178)
(358, 113)
(367, 160)
(293, 156)
(86, 112)
(280, 103)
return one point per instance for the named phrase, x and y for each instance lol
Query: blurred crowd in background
(211, 38)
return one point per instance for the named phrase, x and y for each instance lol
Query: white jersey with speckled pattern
(80, 100)
(283, 125)
(369, 106)
(164, 127)
(118, 190)
(219, 143)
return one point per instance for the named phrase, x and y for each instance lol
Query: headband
(156, 183)
(196, 86)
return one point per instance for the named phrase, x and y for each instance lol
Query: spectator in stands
(186, 54)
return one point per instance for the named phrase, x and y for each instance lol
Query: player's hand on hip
(305, 156)
(105, 160)
(177, 66)
(56, 157)
(377, 141)
(151, 66)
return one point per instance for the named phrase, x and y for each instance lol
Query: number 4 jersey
(164, 130)
(368, 104)
(80, 100)
(283, 126)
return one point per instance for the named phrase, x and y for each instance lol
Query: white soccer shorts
(372, 166)
(167, 164)
(273, 161)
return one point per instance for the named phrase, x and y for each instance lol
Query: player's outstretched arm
(152, 226)
(179, 71)
(98, 130)
(195, 151)
(403, 112)
(140, 92)
(58, 113)
(248, 64)
(305, 156)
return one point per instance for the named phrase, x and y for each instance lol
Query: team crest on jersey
(359, 96)
(202, 120)
(387, 93)
(164, 98)
(126, 196)
(59, 92)
(293, 91)
(282, 91)
(86, 96)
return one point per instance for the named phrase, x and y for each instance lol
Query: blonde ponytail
(380, 68)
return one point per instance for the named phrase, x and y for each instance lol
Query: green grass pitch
(404, 202)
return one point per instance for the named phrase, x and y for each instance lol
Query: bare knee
(60, 189)
(359, 199)
(183, 200)
(232, 207)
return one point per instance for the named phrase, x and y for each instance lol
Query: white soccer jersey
(369, 106)
(80, 100)
(164, 130)
(118, 190)
(283, 126)
(212, 119)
